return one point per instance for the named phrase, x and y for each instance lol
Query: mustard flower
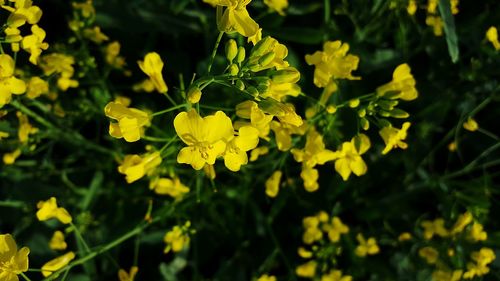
(437, 24)
(11, 157)
(34, 44)
(266, 277)
(128, 276)
(171, 187)
(471, 125)
(366, 247)
(307, 270)
(8, 83)
(152, 66)
(314, 152)
(402, 82)
(12, 260)
(135, 167)
(235, 154)
(492, 36)
(335, 275)
(310, 177)
(476, 233)
(348, 159)
(57, 241)
(462, 221)
(95, 35)
(394, 138)
(257, 152)
(435, 227)
(57, 263)
(447, 275)
(273, 184)
(312, 231)
(430, 254)
(178, 238)
(335, 229)
(131, 121)
(206, 137)
(481, 259)
(258, 118)
(277, 5)
(283, 133)
(61, 64)
(36, 87)
(49, 209)
(333, 63)
(25, 128)
(412, 7)
(232, 16)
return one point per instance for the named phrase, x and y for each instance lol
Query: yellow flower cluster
(178, 239)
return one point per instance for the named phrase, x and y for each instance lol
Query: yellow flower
(256, 37)
(394, 138)
(336, 229)
(482, 259)
(34, 44)
(8, 83)
(432, 6)
(430, 254)
(257, 152)
(312, 231)
(335, 275)
(171, 187)
(471, 125)
(273, 184)
(95, 34)
(258, 118)
(279, 91)
(266, 277)
(36, 87)
(405, 236)
(269, 53)
(446, 275)
(12, 261)
(283, 134)
(177, 239)
(366, 247)
(310, 177)
(476, 233)
(10, 158)
(437, 24)
(49, 209)
(402, 82)
(57, 263)
(332, 63)
(22, 12)
(235, 154)
(57, 241)
(206, 137)
(454, 6)
(131, 121)
(435, 227)
(235, 17)
(128, 276)
(61, 64)
(25, 128)
(314, 152)
(135, 167)
(306, 270)
(492, 36)
(152, 66)
(462, 221)
(277, 5)
(412, 7)
(348, 159)
(112, 57)
(303, 253)
(87, 8)
(452, 146)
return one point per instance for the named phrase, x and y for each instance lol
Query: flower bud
(287, 75)
(331, 109)
(194, 95)
(240, 85)
(231, 50)
(365, 125)
(398, 113)
(263, 46)
(362, 112)
(354, 103)
(233, 69)
(384, 113)
(241, 55)
(253, 91)
(267, 59)
(387, 104)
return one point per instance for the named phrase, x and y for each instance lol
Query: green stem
(214, 51)
(154, 139)
(169, 109)
(472, 165)
(79, 236)
(25, 277)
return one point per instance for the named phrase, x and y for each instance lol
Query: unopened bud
(233, 69)
(240, 85)
(362, 112)
(384, 113)
(241, 55)
(387, 104)
(287, 75)
(331, 109)
(253, 91)
(231, 50)
(267, 59)
(194, 95)
(354, 103)
(263, 46)
(365, 125)
(398, 113)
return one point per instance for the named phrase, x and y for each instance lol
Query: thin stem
(25, 277)
(80, 237)
(169, 109)
(154, 139)
(214, 51)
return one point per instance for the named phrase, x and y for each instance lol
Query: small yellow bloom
(479, 267)
(333, 63)
(462, 221)
(394, 138)
(95, 35)
(306, 270)
(335, 275)
(144, 86)
(277, 5)
(8, 83)
(152, 66)
(257, 152)
(412, 7)
(492, 36)
(171, 187)
(310, 177)
(177, 239)
(135, 167)
(405, 236)
(236, 150)
(432, 6)
(128, 276)
(452, 146)
(283, 133)
(273, 184)
(34, 44)
(235, 17)
(366, 247)
(206, 137)
(446, 275)
(312, 231)
(25, 128)
(49, 209)
(61, 64)
(258, 118)
(402, 82)
(348, 159)
(131, 121)
(112, 57)
(10, 158)
(266, 277)
(437, 24)
(430, 254)
(471, 125)
(303, 253)
(314, 152)
(57, 241)
(57, 263)
(435, 227)
(476, 233)
(36, 87)
(12, 261)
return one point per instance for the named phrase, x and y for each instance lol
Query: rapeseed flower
(8, 83)
(57, 263)
(131, 121)
(273, 184)
(366, 247)
(307, 270)
(394, 138)
(12, 261)
(135, 167)
(402, 82)
(348, 159)
(171, 187)
(235, 154)
(152, 65)
(232, 16)
(492, 36)
(277, 5)
(178, 238)
(57, 241)
(34, 44)
(49, 209)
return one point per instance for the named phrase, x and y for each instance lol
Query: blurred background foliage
(240, 233)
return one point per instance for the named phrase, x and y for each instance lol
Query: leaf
(449, 29)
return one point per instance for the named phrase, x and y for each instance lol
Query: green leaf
(449, 29)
